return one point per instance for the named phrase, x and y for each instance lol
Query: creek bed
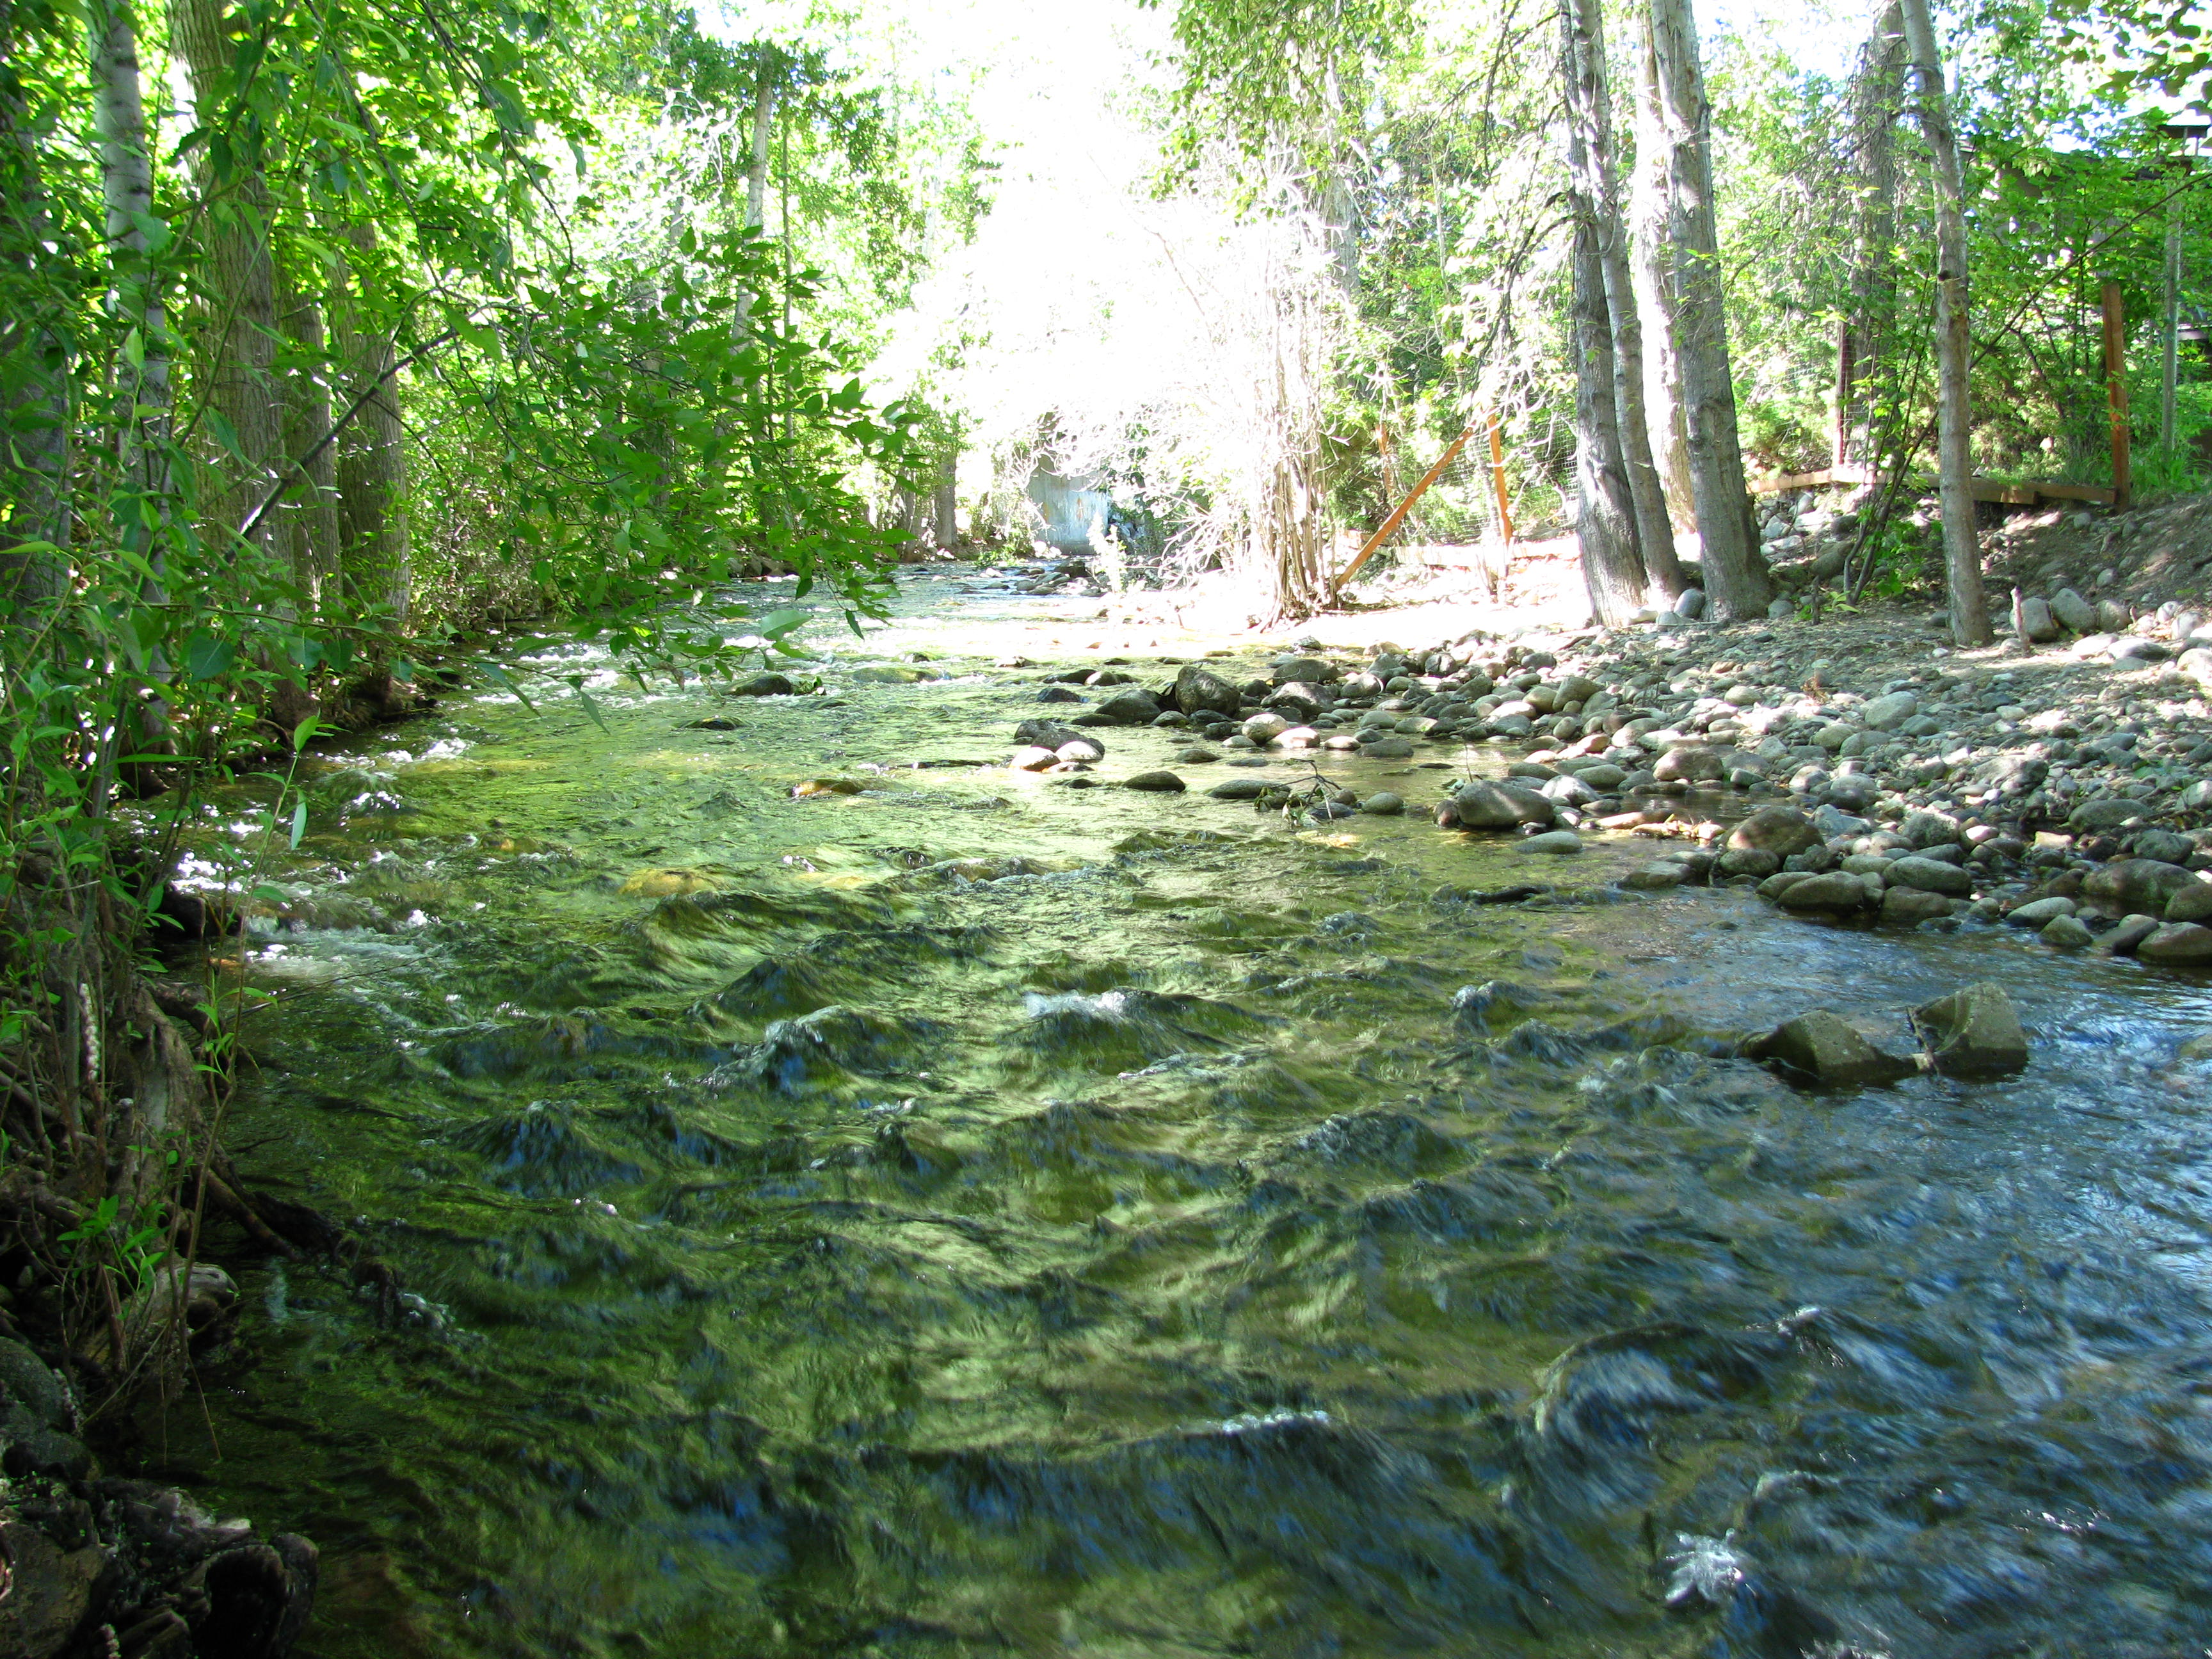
(975, 1215)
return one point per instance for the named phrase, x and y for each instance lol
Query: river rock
(2180, 944)
(1055, 735)
(2125, 885)
(764, 685)
(2167, 846)
(1825, 1048)
(1198, 688)
(1777, 829)
(2037, 913)
(49, 1591)
(27, 1382)
(1382, 802)
(1887, 714)
(1690, 762)
(1925, 829)
(1154, 783)
(1836, 891)
(1311, 669)
(1263, 729)
(2036, 620)
(2106, 812)
(1555, 840)
(1973, 1032)
(2131, 933)
(1928, 875)
(1130, 708)
(1389, 747)
(1239, 789)
(1058, 693)
(2065, 933)
(2191, 902)
(2076, 614)
(1482, 805)
(1908, 907)
(1031, 757)
(2197, 665)
(2009, 774)
(1655, 877)
(1753, 861)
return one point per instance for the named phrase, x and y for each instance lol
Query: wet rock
(1928, 875)
(1390, 748)
(1154, 783)
(1239, 789)
(256, 1598)
(2167, 846)
(1755, 863)
(1973, 1032)
(48, 1591)
(1777, 829)
(668, 883)
(27, 1382)
(764, 685)
(1056, 735)
(1311, 669)
(1031, 757)
(2126, 885)
(2132, 930)
(2191, 902)
(1825, 1048)
(1908, 907)
(2179, 943)
(1924, 829)
(1655, 877)
(1556, 841)
(1382, 802)
(2064, 933)
(1130, 708)
(1198, 689)
(2106, 812)
(1058, 693)
(1834, 892)
(2039, 912)
(1328, 811)
(1264, 729)
(1482, 805)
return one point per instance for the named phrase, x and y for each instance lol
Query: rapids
(974, 1215)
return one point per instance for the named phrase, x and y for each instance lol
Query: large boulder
(1777, 829)
(1823, 1047)
(1198, 688)
(2127, 885)
(1973, 1032)
(2192, 902)
(1482, 805)
(1836, 891)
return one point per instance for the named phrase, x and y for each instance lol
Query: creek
(976, 1215)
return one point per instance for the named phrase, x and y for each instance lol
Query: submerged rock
(1973, 1032)
(1154, 783)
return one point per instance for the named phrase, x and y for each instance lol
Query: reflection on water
(975, 1216)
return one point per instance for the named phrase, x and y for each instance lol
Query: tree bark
(38, 412)
(372, 455)
(946, 512)
(1651, 268)
(307, 529)
(1962, 550)
(1605, 519)
(237, 371)
(1877, 98)
(1589, 115)
(1735, 579)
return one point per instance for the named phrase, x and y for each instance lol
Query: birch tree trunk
(126, 185)
(1651, 271)
(372, 458)
(1962, 549)
(1877, 97)
(1589, 115)
(237, 374)
(1735, 579)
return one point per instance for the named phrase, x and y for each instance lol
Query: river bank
(855, 1205)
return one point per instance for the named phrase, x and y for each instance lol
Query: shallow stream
(980, 1216)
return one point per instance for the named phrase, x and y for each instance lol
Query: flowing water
(979, 1216)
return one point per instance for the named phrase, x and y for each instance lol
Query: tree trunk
(39, 406)
(307, 527)
(1734, 577)
(237, 373)
(372, 458)
(1651, 269)
(1589, 115)
(947, 505)
(1877, 96)
(1605, 518)
(126, 185)
(1962, 550)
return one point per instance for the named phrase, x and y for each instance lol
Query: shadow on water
(1102, 1224)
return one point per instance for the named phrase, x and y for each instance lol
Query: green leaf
(298, 822)
(208, 657)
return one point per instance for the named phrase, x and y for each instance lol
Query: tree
(1734, 577)
(1594, 181)
(1651, 269)
(1962, 552)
